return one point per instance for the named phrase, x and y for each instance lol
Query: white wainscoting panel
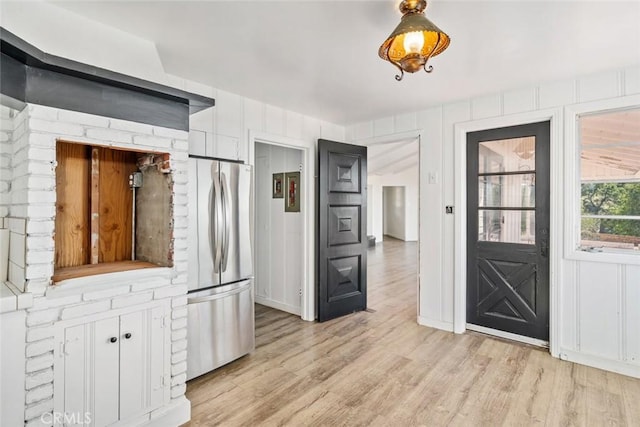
(632, 80)
(632, 314)
(228, 111)
(598, 289)
(599, 86)
(518, 101)
(557, 93)
(486, 106)
(405, 122)
(383, 126)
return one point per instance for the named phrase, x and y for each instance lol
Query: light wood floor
(382, 369)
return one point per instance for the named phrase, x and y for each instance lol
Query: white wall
(393, 212)
(599, 302)
(279, 234)
(408, 179)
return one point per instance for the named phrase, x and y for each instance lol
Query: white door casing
(555, 243)
(308, 303)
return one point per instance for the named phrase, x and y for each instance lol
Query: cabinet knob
(113, 339)
(127, 335)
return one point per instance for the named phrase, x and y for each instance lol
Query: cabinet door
(141, 362)
(91, 371)
(105, 371)
(226, 147)
(113, 369)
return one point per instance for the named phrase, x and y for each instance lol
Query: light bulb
(413, 42)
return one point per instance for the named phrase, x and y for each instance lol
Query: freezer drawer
(220, 327)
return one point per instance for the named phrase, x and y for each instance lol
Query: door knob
(127, 335)
(113, 339)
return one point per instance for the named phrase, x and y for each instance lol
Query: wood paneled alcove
(102, 223)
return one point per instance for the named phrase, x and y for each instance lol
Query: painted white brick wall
(27, 195)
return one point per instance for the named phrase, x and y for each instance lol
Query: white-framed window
(602, 180)
(609, 143)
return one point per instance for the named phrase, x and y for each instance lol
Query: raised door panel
(159, 340)
(76, 372)
(103, 378)
(141, 362)
(134, 351)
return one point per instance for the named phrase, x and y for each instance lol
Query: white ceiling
(320, 57)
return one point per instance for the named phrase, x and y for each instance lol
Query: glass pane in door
(507, 155)
(509, 191)
(507, 226)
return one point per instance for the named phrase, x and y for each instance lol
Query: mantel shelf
(66, 273)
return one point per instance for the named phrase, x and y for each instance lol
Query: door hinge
(165, 381)
(64, 347)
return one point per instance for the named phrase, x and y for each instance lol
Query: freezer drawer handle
(220, 295)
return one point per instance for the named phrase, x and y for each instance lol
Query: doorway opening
(279, 237)
(393, 219)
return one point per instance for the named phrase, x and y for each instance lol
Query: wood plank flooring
(382, 369)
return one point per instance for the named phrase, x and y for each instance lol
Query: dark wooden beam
(31, 76)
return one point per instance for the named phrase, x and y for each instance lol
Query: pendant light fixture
(414, 41)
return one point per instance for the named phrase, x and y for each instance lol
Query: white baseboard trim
(508, 335)
(278, 305)
(437, 324)
(174, 414)
(616, 366)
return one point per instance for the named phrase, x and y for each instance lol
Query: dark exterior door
(342, 229)
(508, 229)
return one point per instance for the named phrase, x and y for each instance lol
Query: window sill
(150, 274)
(607, 256)
(67, 273)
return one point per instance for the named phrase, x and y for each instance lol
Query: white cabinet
(113, 367)
(208, 144)
(12, 332)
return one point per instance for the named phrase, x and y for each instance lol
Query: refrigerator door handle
(226, 207)
(215, 216)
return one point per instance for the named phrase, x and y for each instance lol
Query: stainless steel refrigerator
(220, 299)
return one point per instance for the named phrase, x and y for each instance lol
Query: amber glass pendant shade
(414, 41)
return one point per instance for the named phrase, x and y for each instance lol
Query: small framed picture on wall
(292, 189)
(277, 185)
